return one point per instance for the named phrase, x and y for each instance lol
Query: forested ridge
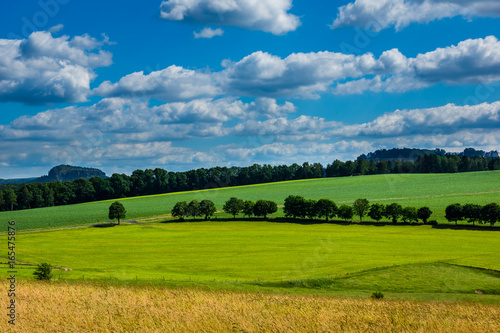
(157, 181)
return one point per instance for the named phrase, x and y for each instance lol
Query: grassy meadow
(82, 307)
(277, 257)
(433, 190)
(274, 276)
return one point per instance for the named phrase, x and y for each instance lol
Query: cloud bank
(306, 75)
(381, 14)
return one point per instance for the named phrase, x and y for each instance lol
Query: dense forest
(145, 182)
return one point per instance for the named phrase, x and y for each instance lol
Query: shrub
(377, 295)
(43, 272)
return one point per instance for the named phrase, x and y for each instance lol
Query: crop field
(433, 190)
(82, 307)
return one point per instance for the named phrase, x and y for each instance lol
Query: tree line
(299, 207)
(157, 181)
(473, 213)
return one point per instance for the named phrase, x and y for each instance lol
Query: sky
(184, 84)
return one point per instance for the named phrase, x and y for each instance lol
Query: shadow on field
(467, 227)
(337, 222)
(291, 220)
(104, 225)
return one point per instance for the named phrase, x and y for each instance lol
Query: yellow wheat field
(62, 307)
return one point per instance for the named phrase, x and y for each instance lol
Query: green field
(418, 262)
(433, 190)
(324, 258)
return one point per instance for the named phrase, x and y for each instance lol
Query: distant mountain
(59, 173)
(411, 154)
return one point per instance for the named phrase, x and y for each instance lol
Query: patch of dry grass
(63, 307)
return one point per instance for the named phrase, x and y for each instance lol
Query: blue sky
(182, 84)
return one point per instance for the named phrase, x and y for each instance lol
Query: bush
(43, 272)
(433, 222)
(377, 295)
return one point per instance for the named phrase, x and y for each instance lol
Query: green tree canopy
(265, 207)
(491, 213)
(117, 211)
(361, 207)
(376, 211)
(180, 210)
(409, 214)
(295, 206)
(194, 208)
(472, 212)
(454, 213)
(393, 211)
(326, 208)
(207, 208)
(43, 272)
(248, 208)
(233, 206)
(424, 213)
(345, 212)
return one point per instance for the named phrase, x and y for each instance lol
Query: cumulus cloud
(43, 69)
(471, 61)
(208, 33)
(265, 15)
(381, 14)
(129, 131)
(173, 83)
(289, 153)
(441, 121)
(307, 75)
(301, 128)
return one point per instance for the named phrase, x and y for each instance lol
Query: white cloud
(381, 14)
(471, 61)
(208, 33)
(306, 75)
(298, 129)
(265, 15)
(173, 83)
(440, 120)
(42, 69)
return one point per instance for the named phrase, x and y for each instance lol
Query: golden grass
(63, 307)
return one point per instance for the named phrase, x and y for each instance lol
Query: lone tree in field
(194, 208)
(180, 210)
(264, 207)
(207, 208)
(325, 208)
(345, 212)
(424, 213)
(361, 207)
(454, 213)
(116, 211)
(393, 211)
(233, 206)
(376, 211)
(43, 272)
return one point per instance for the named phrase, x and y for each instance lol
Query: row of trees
(233, 206)
(473, 213)
(299, 207)
(147, 182)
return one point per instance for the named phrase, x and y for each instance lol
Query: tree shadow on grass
(104, 225)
